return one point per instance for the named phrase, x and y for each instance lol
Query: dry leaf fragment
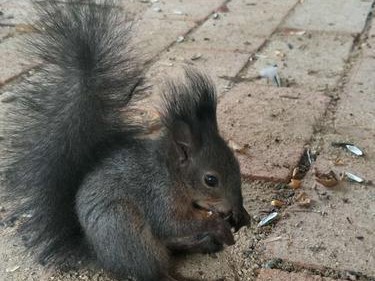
(328, 180)
(277, 203)
(237, 148)
(339, 162)
(12, 269)
(295, 184)
(303, 200)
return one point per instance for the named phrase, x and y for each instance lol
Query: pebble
(12, 269)
(180, 39)
(157, 9)
(272, 263)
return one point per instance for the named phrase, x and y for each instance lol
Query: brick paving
(324, 50)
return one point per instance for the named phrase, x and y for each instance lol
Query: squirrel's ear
(183, 139)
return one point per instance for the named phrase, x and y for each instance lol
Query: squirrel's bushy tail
(69, 116)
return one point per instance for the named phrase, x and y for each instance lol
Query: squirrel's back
(68, 117)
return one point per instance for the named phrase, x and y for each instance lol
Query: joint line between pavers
(198, 24)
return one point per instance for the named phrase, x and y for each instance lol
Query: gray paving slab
(310, 60)
(262, 17)
(278, 275)
(241, 26)
(226, 33)
(16, 12)
(215, 64)
(330, 15)
(192, 10)
(356, 109)
(13, 61)
(273, 124)
(343, 238)
(150, 36)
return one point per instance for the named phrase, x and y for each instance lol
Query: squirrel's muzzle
(237, 216)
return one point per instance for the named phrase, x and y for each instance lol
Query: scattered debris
(277, 203)
(272, 263)
(353, 177)
(360, 237)
(294, 31)
(339, 162)
(272, 239)
(354, 149)
(178, 12)
(280, 54)
(295, 184)
(303, 200)
(271, 73)
(349, 146)
(311, 156)
(196, 56)
(237, 148)
(328, 179)
(269, 219)
(322, 213)
(180, 39)
(12, 269)
(156, 9)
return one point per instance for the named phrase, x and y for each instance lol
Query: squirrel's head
(202, 160)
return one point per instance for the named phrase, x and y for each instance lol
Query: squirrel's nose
(240, 218)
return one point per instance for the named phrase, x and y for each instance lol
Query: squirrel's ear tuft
(189, 108)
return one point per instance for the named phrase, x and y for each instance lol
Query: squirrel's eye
(211, 180)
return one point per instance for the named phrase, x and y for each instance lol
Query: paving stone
(356, 109)
(151, 38)
(278, 275)
(262, 17)
(215, 64)
(13, 62)
(241, 27)
(311, 60)
(195, 267)
(342, 239)
(227, 33)
(273, 123)
(17, 12)
(192, 10)
(330, 15)
(134, 9)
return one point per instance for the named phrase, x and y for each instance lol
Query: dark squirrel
(85, 177)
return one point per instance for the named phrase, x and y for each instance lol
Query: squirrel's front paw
(209, 244)
(220, 230)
